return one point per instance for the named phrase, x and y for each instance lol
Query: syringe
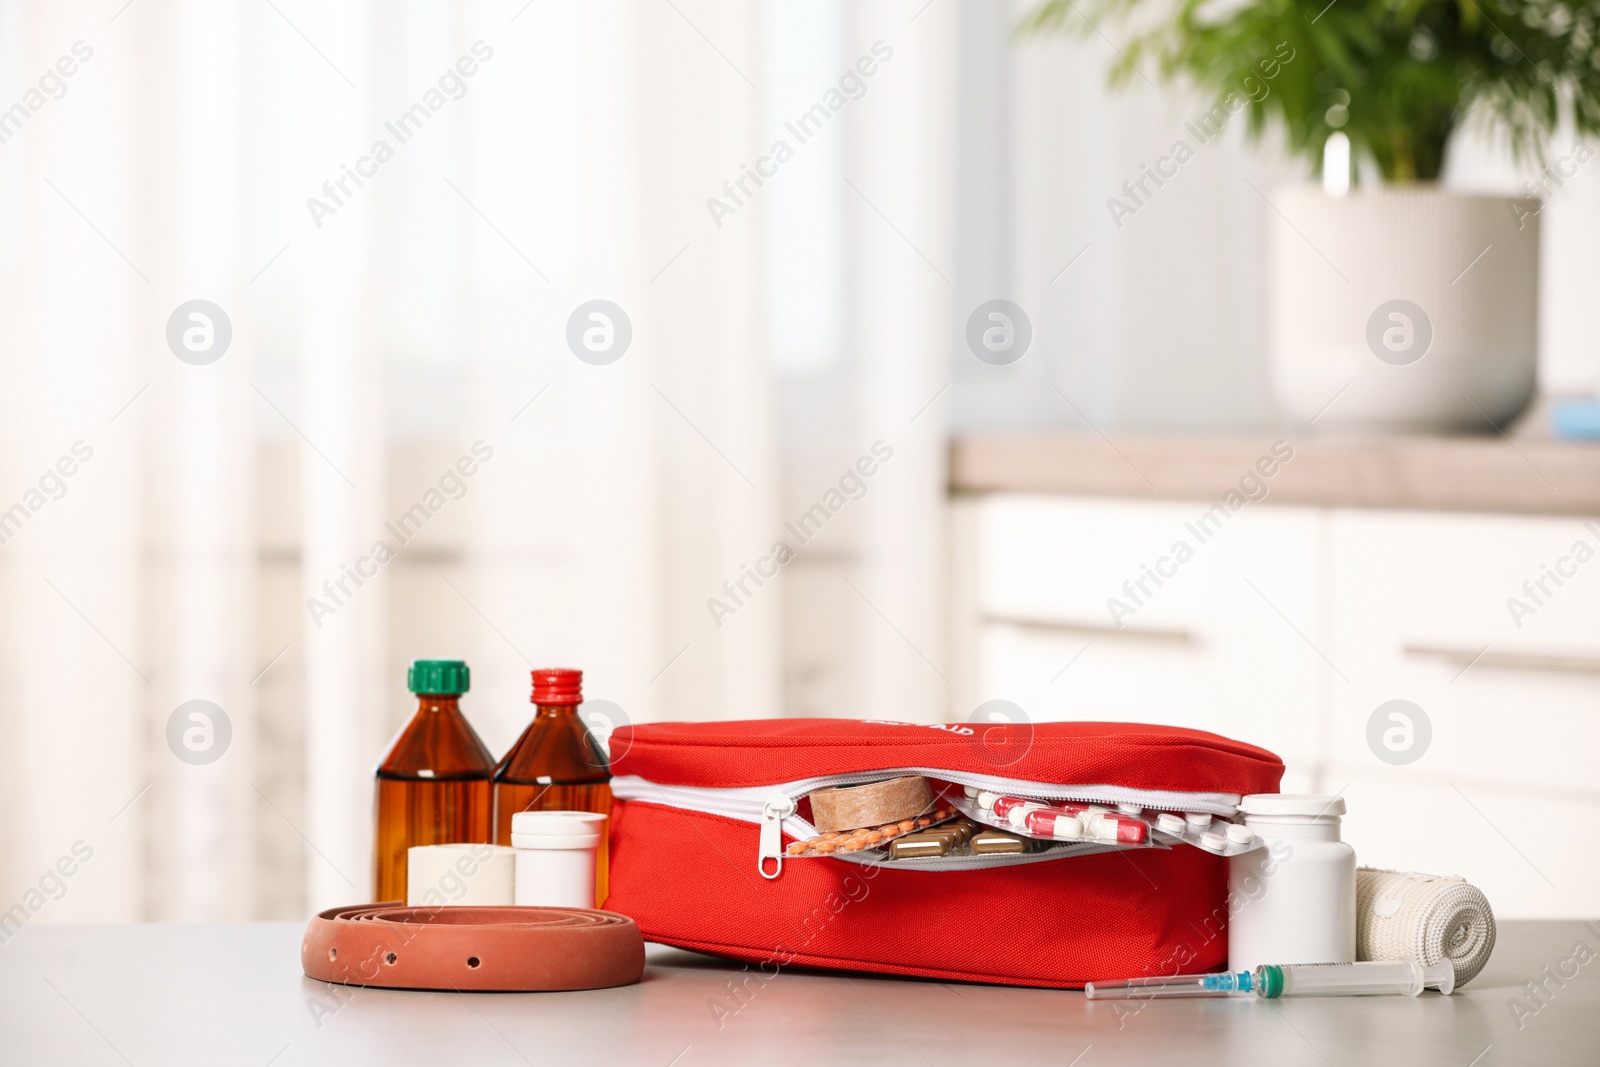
(1407, 977)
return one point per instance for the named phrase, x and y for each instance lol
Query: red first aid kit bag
(705, 811)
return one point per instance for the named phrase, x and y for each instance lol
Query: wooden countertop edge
(1414, 473)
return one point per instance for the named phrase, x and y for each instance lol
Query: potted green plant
(1416, 305)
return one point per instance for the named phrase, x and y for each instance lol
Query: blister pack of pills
(1211, 833)
(1114, 826)
(1121, 826)
(836, 842)
(1056, 820)
(963, 844)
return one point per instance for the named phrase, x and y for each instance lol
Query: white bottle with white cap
(555, 857)
(1293, 901)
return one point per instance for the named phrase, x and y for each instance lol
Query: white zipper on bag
(777, 808)
(773, 806)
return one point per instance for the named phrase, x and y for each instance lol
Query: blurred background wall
(781, 330)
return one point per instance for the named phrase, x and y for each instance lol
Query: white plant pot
(1416, 308)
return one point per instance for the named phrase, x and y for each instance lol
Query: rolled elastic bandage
(1424, 917)
(849, 807)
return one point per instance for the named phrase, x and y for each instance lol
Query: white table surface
(234, 994)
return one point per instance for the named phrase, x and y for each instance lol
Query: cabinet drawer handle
(1145, 633)
(1509, 661)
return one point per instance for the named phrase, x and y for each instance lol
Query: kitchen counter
(1526, 476)
(234, 994)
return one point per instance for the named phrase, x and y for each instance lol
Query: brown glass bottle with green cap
(433, 786)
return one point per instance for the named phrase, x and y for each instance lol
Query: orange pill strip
(833, 843)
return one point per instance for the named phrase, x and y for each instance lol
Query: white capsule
(1100, 830)
(1067, 828)
(970, 790)
(1103, 826)
(1240, 833)
(1172, 824)
(986, 799)
(1214, 841)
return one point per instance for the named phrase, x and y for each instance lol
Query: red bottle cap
(557, 686)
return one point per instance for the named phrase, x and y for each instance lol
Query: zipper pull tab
(777, 808)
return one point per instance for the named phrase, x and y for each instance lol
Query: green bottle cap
(444, 677)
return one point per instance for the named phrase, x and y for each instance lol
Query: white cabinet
(1418, 612)
(1288, 627)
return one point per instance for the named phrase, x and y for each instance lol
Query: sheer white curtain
(76, 669)
(626, 492)
(373, 344)
(901, 215)
(573, 165)
(199, 598)
(573, 168)
(343, 476)
(863, 223)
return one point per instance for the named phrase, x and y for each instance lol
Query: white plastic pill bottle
(555, 856)
(1293, 901)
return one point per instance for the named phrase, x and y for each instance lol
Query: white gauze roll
(477, 874)
(1423, 917)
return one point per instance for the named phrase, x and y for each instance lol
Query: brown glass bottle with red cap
(556, 765)
(433, 786)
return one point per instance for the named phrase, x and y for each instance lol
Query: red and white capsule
(1003, 806)
(1054, 823)
(1122, 830)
